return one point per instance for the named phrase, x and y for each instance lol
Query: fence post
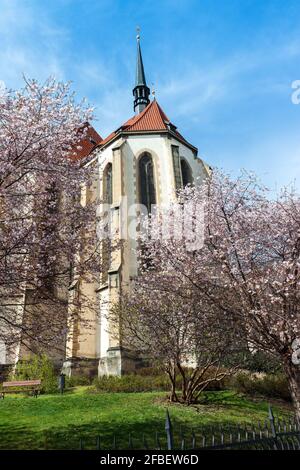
(273, 428)
(272, 422)
(81, 444)
(169, 431)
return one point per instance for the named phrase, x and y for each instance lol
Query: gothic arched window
(106, 242)
(146, 180)
(186, 173)
(107, 184)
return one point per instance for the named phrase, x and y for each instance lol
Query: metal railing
(273, 434)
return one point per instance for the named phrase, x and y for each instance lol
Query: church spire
(141, 92)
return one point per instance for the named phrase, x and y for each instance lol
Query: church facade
(145, 161)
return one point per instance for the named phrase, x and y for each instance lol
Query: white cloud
(29, 43)
(34, 45)
(196, 88)
(192, 91)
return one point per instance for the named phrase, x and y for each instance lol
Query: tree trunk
(172, 375)
(293, 375)
(173, 395)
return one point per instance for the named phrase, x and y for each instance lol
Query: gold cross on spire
(153, 90)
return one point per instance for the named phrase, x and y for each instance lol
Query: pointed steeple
(141, 92)
(140, 78)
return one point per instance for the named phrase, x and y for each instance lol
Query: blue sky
(222, 69)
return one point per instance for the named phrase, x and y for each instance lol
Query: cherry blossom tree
(164, 322)
(43, 224)
(247, 266)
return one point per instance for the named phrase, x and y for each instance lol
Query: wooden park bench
(33, 386)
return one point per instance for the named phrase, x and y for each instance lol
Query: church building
(145, 161)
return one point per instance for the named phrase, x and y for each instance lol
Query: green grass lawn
(58, 422)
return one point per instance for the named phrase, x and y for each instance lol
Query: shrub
(76, 380)
(153, 381)
(256, 362)
(37, 367)
(261, 362)
(271, 385)
(131, 383)
(147, 371)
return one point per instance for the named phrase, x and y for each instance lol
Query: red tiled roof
(151, 119)
(91, 140)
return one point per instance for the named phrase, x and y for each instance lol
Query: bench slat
(25, 383)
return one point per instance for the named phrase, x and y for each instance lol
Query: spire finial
(138, 30)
